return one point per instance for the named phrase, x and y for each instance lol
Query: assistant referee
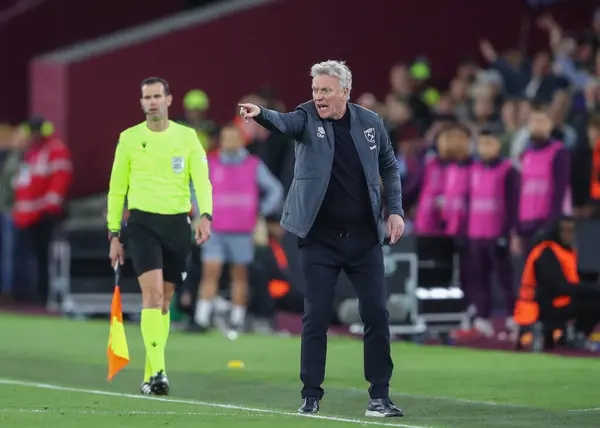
(153, 165)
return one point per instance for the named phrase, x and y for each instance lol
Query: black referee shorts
(158, 241)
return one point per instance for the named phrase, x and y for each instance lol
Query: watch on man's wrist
(114, 234)
(206, 216)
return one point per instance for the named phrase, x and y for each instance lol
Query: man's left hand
(395, 228)
(203, 230)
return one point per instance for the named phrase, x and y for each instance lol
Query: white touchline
(462, 400)
(200, 403)
(396, 393)
(118, 412)
(593, 409)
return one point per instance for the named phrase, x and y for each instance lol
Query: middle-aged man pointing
(335, 208)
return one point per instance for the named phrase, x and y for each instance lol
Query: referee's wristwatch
(206, 216)
(114, 234)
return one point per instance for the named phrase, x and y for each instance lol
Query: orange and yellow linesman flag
(118, 352)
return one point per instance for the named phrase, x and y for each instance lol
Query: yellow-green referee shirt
(153, 169)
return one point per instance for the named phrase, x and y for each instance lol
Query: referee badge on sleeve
(177, 164)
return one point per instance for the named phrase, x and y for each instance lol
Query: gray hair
(337, 69)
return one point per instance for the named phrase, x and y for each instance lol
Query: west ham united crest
(370, 135)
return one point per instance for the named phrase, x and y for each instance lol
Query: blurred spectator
(467, 69)
(490, 83)
(420, 73)
(275, 151)
(428, 221)
(543, 84)
(592, 96)
(510, 124)
(368, 101)
(551, 289)
(593, 206)
(459, 94)
(409, 151)
(535, 81)
(403, 86)
(439, 121)
(525, 108)
(237, 178)
(269, 278)
(493, 202)
(570, 60)
(444, 104)
(561, 130)
(484, 116)
(399, 116)
(41, 185)
(272, 289)
(287, 297)
(520, 138)
(195, 105)
(545, 179)
(454, 201)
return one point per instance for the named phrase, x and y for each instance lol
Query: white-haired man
(334, 206)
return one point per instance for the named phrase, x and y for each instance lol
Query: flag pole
(118, 351)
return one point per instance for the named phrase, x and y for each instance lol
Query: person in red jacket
(41, 184)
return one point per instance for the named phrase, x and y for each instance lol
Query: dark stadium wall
(57, 23)
(276, 43)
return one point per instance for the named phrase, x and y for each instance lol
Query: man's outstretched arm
(289, 124)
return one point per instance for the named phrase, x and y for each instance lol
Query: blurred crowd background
(492, 88)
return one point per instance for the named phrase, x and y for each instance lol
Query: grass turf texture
(53, 370)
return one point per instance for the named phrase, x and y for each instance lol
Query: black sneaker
(159, 384)
(310, 405)
(146, 389)
(382, 408)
